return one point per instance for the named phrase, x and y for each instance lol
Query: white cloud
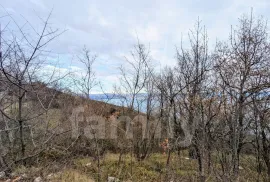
(110, 29)
(149, 33)
(39, 3)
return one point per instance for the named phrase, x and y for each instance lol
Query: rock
(113, 179)
(2, 174)
(53, 175)
(24, 175)
(13, 175)
(38, 179)
(50, 176)
(88, 164)
(240, 167)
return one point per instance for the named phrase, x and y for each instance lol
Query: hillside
(187, 107)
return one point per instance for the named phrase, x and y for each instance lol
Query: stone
(38, 179)
(2, 174)
(88, 164)
(13, 175)
(50, 176)
(53, 175)
(24, 175)
(113, 179)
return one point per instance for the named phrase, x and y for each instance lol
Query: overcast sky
(110, 28)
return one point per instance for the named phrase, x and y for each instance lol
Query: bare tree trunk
(20, 120)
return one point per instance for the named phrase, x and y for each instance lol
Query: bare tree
(134, 76)
(260, 125)
(86, 81)
(193, 70)
(240, 62)
(26, 98)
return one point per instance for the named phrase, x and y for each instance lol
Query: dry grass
(72, 175)
(153, 169)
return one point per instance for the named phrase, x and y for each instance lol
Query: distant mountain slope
(122, 100)
(114, 96)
